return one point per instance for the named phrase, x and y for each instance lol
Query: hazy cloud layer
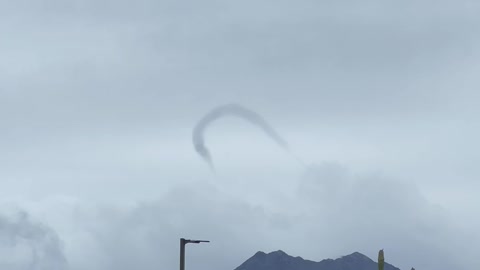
(333, 213)
(98, 100)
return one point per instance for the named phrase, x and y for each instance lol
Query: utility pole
(183, 243)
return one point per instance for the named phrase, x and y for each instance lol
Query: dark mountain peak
(278, 253)
(279, 260)
(356, 256)
(276, 260)
(259, 254)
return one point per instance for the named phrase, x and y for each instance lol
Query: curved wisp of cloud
(231, 110)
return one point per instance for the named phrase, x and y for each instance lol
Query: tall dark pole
(182, 253)
(184, 242)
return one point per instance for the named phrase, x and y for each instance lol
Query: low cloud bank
(332, 213)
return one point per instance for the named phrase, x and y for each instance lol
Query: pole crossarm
(196, 241)
(184, 242)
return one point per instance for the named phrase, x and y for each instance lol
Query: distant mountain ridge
(279, 260)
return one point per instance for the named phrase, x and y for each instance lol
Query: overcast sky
(98, 99)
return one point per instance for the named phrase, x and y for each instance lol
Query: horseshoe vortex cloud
(231, 110)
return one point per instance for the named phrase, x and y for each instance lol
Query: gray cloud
(98, 98)
(27, 245)
(334, 210)
(384, 213)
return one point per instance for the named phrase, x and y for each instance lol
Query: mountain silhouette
(279, 260)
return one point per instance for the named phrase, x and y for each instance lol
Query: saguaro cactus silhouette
(381, 260)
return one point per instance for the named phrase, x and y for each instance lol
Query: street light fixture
(183, 242)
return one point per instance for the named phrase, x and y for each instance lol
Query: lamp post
(184, 242)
